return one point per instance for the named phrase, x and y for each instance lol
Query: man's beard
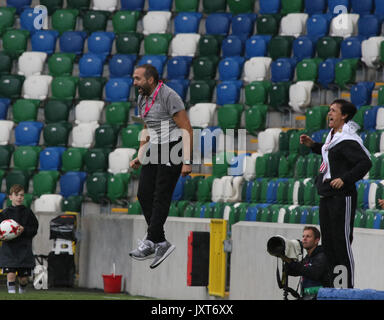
(145, 90)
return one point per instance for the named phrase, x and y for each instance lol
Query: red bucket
(112, 283)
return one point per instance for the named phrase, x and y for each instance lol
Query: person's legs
(11, 281)
(146, 190)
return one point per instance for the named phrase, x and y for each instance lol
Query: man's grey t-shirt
(161, 126)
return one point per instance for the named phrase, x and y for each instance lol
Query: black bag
(63, 227)
(61, 270)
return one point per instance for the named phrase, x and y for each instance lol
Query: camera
(280, 247)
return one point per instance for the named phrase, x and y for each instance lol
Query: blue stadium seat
(370, 116)
(27, 18)
(315, 6)
(218, 23)
(236, 165)
(270, 6)
(159, 5)
(231, 46)
(318, 26)
(362, 7)
(72, 41)
(132, 5)
(333, 4)
(369, 26)
(27, 133)
(91, 65)
(45, 41)
(3, 196)
(243, 25)
(101, 43)
(379, 9)
(361, 93)
(180, 86)
(257, 46)
(283, 69)
(118, 89)
(178, 193)
(187, 22)
(230, 68)
(50, 158)
(157, 61)
(251, 214)
(351, 48)
(303, 48)
(228, 92)
(326, 72)
(121, 65)
(71, 183)
(178, 67)
(20, 5)
(4, 105)
(209, 138)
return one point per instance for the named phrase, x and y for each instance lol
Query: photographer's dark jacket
(17, 253)
(314, 269)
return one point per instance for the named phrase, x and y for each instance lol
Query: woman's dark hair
(150, 71)
(347, 108)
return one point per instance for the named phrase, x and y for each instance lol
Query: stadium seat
(27, 133)
(349, 23)
(334, 6)
(157, 44)
(57, 134)
(25, 110)
(300, 95)
(204, 68)
(293, 24)
(125, 21)
(95, 20)
(117, 113)
(283, 69)
(303, 48)
(88, 111)
(242, 6)
(209, 45)
(64, 88)
(130, 136)
(72, 42)
(52, 5)
(128, 43)
(44, 41)
(96, 160)
(307, 70)
(26, 158)
(121, 65)
(362, 7)
(230, 68)
(44, 182)
(31, 63)
(280, 47)
(72, 204)
(16, 176)
(81, 5)
(15, 42)
(201, 91)
(371, 52)
(83, 135)
(231, 46)
(187, 22)
(48, 203)
(91, 65)
(105, 136)
(221, 164)
(279, 95)
(292, 6)
(326, 72)
(180, 86)
(119, 159)
(228, 92)
(257, 92)
(11, 86)
(361, 93)
(255, 118)
(5, 131)
(19, 5)
(257, 46)
(351, 48)
(315, 6)
(201, 114)
(218, 23)
(158, 61)
(345, 72)
(268, 140)
(328, 47)
(257, 69)
(156, 22)
(118, 89)
(4, 105)
(28, 18)
(105, 5)
(117, 187)
(50, 158)
(5, 63)
(185, 44)
(64, 20)
(72, 183)
(72, 159)
(100, 43)
(243, 25)
(210, 6)
(270, 6)
(318, 26)
(369, 26)
(132, 5)
(229, 116)
(36, 87)
(267, 24)
(96, 186)
(187, 6)
(178, 68)
(61, 64)
(379, 9)
(91, 88)
(6, 152)
(8, 18)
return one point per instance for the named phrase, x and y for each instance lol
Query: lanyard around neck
(147, 108)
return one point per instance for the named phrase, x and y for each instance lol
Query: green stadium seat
(372, 141)
(157, 43)
(205, 67)
(292, 6)
(209, 45)
(173, 210)
(190, 188)
(64, 87)
(106, 136)
(25, 110)
(91, 88)
(81, 5)
(280, 47)
(221, 163)
(128, 43)
(52, 5)
(5, 63)
(57, 134)
(15, 42)
(130, 136)
(241, 6)
(201, 91)
(11, 86)
(229, 116)
(345, 72)
(380, 98)
(56, 111)
(134, 208)
(313, 164)
(26, 157)
(96, 186)
(117, 113)
(17, 177)
(210, 6)
(187, 5)
(300, 168)
(316, 118)
(6, 156)
(125, 21)
(117, 187)
(7, 21)
(328, 47)
(306, 69)
(268, 24)
(294, 143)
(279, 95)
(257, 92)
(44, 182)
(64, 20)
(61, 64)
(96, 160)
(286, 166)
(204, 187)
(72, 159)
(72, 204)
(359, 116)
(95, 20)
(284, 140)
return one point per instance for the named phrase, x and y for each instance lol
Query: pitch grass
(67, 294)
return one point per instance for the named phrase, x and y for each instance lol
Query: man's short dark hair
(315, 231)
(150, 71)
(347, 108)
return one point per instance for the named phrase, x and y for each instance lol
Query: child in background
(16, 255)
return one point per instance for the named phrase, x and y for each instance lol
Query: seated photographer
(314, 268)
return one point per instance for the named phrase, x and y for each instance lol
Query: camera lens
(276, 246)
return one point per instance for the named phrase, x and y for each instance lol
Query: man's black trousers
(337, 216)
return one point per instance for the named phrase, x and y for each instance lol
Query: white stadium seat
(370, 50)
(156, 22)
(48, 203)
(37, 87)
(201, 114)
(344, 25)
(83, 134)
(105, 5)
(232, 188)
(250, 166)
(185, 44)
(300, 95)
(6, 127)
(293, 24)
(88, 111)
(119, 160)
(268, 140)
(257, 69)
(31, 63)
(217, 190)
